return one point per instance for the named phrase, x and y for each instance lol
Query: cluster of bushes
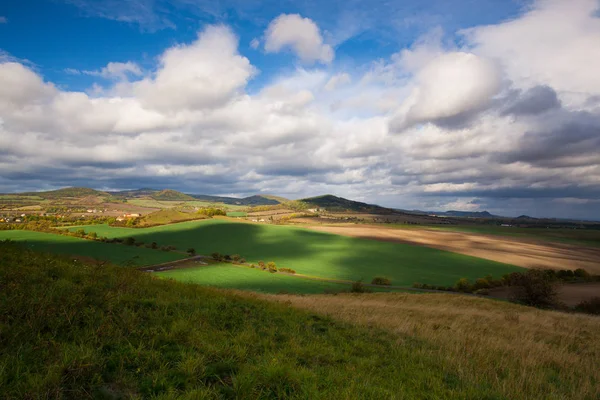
(211, 211)
(270, 266)
(235, 258)
(287, 270)
(380, 280)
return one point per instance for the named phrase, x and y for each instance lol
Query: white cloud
(337, 80)
(301, 35)
(3, 20)
(450, 85)
(255, 43)
(116, 70)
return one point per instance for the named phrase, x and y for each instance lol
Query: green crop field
(237, 214)
(115, 253)
(315, 253)
(230, 276)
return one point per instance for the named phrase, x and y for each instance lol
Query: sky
(418, 104)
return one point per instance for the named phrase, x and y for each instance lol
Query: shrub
(261, 265)
(358, 287)
(154, 245)
(482, 292)
(242, 261)
(191, 251)
(271, 266)
(252, 266)
(287, 270)
(129, 241)
(481, 283)
(591, 306)
(464, 286)
(582, 273)
(536, 288)
(235, 257)
(380, 280)
(417, 285)
(217, 256)
(227, 257)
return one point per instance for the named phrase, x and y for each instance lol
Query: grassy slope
(72, 331)
(524, 352)
(118, 254)
(226, 275)
(316, 253)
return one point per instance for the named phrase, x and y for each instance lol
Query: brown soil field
(569, 294)
(525, 253)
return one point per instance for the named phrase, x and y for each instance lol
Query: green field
(115, 253)
(237, 214)
(151, 203)
(243, 278)
(315, 253)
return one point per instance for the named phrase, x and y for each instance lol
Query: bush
(129, 241)
(482, 292)
(154, 245)
(235, 257)
(463, 285)
(271, 266)
(261, 265)
(287, 270)
(242, 261)
(358, 287)
(417, 285)
(591, 306)
(191, 251)
(217, 256)
(582, 273)
(380, 280)
(481, 283)
(536, 288)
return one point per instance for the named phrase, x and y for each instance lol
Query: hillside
(67, 192)
(334, 203)
(166, 216)
(171, 195)
(256, 200)
(80, 331)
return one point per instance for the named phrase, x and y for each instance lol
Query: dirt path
(521, 252)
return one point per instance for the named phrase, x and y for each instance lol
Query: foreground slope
(77, 331)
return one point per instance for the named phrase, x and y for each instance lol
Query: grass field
(237, 214)
(315, 253)
(229, 276)
(79, 331)
(118, 254)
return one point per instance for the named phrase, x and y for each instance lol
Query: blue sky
(471, 105)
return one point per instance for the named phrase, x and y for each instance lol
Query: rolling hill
(334, 203)
(67, 192)
(256, 200)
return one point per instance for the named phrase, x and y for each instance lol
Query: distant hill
(334, 203)
(167, 216)
(256, 200)
(144, 192)
(454, 213)
(67, 192)
(171, 195)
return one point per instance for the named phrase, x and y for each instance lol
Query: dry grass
(525, 353)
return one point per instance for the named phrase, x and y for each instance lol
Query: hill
(67, 192)
(171, 195)
(334, 203)
(256, 200)
(166, 216)
(90, 331)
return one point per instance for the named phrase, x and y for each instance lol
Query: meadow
(244, 278)
(67, 245)
(89, 331)
(315, 253)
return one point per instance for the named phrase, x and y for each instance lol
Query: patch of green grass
(243, 278)
(316, 253)
(237, 214)
(115, 253)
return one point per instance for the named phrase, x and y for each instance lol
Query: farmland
(118, 254)
(243, 278)
(314, 253)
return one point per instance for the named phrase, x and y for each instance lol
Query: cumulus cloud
(117, 70)
(450, 85)
(301, 35)
(338, 80)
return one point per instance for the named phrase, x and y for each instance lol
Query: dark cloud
(534, 101)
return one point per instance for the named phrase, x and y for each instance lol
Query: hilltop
(171, 195)
(334, 203)
(67, 192)
(256, 200)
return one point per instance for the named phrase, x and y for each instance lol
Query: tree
(463, 285)
(154, 245)
(536, 288)
(191, 251)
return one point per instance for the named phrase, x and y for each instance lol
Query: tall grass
(514, 351)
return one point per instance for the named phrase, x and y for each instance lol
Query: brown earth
(527, 253)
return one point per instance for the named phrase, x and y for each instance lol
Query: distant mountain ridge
(335, 203)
